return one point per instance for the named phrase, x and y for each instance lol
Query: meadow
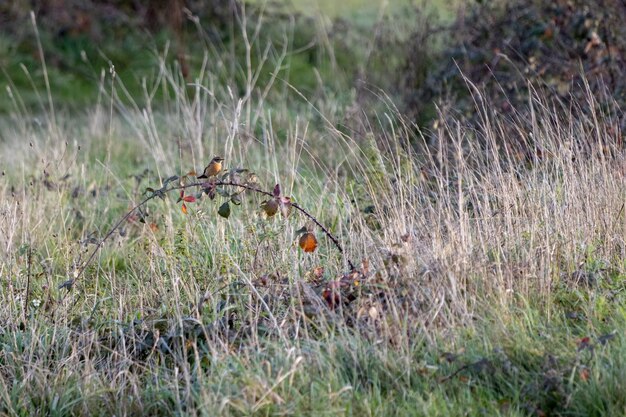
(473, 278)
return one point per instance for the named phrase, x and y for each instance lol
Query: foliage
(509, 49)
(82, 41)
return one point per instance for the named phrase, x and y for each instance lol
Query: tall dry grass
(175, 315)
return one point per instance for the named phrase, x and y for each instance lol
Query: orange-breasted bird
(214, 167)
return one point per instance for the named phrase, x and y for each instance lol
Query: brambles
(337, 294)
(283, 203)
(509, 51)
(229, 184)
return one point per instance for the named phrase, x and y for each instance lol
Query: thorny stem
(301, 210)
(68, 284)
(326, 232)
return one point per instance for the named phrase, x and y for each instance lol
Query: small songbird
(214, 167)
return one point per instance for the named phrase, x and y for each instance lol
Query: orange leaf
(308, 242)
(184, 208)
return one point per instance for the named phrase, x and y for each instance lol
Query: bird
(214, 167)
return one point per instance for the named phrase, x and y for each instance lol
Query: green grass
(529, 365)
(359, 10)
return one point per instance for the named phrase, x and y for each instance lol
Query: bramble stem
(71, 282)
(68, 284)
(300, 209)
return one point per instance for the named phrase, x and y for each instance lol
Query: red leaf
(189, 199)
(584, 343)
(332, 297)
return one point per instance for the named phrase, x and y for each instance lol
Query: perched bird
(214, 167)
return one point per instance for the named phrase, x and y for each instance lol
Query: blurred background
(417, 52)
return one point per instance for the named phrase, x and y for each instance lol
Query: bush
(507, 49)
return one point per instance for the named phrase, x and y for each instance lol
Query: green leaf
(236, 199)
(224, 210)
